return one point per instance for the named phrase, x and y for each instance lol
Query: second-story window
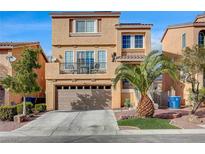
(138, 41)
(184, 40)
(86, 26)
(132, 41)
(126, 41)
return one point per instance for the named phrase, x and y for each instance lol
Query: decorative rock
(19, 118)
(169, 115)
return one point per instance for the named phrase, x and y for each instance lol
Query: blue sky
(36, 26)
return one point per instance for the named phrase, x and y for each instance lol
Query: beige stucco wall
(62, 36)
(201, 19)
(131, 95)
(3, 61)
(108, 38)
(172, 43)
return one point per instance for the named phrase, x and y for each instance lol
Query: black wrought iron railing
(83, 68)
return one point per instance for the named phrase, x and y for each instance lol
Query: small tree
(24, 81)
(192, 63)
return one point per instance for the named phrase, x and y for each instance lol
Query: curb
(161, 131)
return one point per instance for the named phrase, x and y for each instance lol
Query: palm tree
(142, 76)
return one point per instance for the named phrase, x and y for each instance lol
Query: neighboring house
(87, 47)
(174, 40)
(15, 49)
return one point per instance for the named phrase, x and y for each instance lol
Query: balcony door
(85, 61)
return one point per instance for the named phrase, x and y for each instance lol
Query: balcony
(83, 68)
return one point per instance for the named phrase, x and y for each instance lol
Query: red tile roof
(10, 45)
(133, 25)
(194, 23)
(131, 58)
(14, 44)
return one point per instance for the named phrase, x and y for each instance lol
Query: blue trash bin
(174, 102)
(31, 99)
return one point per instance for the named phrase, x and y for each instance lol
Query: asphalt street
(178, 138)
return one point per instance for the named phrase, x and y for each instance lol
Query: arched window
(201, 38)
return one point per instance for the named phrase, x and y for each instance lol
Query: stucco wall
(107, 38)
(62, 36)
(201, 19)
(17, 52)
(3, 61)
(172, 43)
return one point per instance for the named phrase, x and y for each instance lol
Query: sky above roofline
(36, 26)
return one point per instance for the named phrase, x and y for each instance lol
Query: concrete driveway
(59, 123)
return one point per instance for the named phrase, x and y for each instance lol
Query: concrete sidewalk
(161, 131)
(119, 132)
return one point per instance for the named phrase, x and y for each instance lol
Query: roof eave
(146, 26)
(84, 14)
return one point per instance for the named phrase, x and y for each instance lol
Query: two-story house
(86, 48)
(14, 50)
(175, 39)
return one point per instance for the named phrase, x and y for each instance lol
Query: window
(86, 26)
(138, 41)
(102, 59)
(126, 84)
(201, 39)
(68, 59)
(126, 41)
(184, 40)
(85, 58)
(132, 41)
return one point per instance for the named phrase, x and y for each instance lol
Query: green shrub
(29, 107)
(7, 112)
(40, 107)
(127, 103)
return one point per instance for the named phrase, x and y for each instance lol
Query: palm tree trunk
(145, 107)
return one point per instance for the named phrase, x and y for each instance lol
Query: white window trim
(105, 57)
(132, 41)
(74, 26)
(95, 25)
(69, 51)
(65, 58)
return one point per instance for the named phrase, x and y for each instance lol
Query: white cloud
(156, 40)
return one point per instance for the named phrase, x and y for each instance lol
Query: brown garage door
(83, 98)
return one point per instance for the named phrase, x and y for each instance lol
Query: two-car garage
(71, 98)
